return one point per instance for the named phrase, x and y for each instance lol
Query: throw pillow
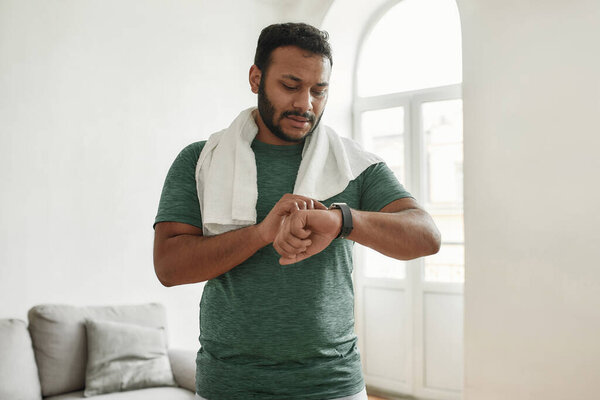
(125, 357)
(60, 344)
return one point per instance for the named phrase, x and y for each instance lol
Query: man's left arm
(401, 229)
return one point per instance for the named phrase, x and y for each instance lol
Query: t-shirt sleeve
(380, 187)
(179, 199)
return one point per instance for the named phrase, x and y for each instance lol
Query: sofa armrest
(183, 364)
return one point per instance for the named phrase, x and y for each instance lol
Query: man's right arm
(183, 255)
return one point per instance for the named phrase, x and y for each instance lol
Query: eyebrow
(296, 79)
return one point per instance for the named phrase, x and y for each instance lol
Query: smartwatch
(346, 219)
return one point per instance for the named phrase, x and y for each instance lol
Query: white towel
(226, 172)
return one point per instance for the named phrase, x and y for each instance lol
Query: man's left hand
(319, 226)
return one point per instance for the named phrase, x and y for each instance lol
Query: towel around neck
(226, 172)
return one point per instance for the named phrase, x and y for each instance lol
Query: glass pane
(447, 265)
(442, 128)
(415, 45)
(383, 133)
(379, 266)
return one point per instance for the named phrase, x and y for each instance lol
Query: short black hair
(304, 36)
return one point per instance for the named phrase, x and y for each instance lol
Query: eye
(289, 87)
(319, 93)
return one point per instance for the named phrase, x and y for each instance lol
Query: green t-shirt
(278, 332)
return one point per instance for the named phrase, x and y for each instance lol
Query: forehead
(292, 60)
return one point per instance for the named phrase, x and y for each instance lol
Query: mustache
(308, 115)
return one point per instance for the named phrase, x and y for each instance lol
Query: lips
(298, 122)
(297, 118)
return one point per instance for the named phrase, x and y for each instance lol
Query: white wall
(346, 23)
(97, 97)
(532, 140)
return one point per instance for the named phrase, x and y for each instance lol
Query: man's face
(292, 94)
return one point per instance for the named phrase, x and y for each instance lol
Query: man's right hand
(289, 203)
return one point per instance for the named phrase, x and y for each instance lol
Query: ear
(254, 77)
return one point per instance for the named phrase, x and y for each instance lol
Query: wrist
(260, 235)
(339, 221)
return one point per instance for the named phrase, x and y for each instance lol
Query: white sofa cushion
(161, 393)
(183, 365)
(59, 339)
(18, 372)
(124, 356)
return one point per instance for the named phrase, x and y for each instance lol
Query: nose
(303, 101)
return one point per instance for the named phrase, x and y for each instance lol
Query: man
(276, 315)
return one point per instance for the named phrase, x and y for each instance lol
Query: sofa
(105, 353)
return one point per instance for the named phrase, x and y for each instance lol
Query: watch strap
(346, 219)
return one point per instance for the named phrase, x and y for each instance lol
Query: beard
(267, 114)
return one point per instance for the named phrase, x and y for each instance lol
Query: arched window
(408, 109)
(415, 45)
(397, 84)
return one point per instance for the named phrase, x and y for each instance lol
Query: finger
(297, 226)
(296, 242)
(319, 205)
(289, 207)
(286, 208)
(283, 253)
(316, 204)
(292, 260)
(293, 249)
(284, 249)
(286, 242)
(286, 260)
(301, 204)
(290, 250)
(300, 233)
(286, 238)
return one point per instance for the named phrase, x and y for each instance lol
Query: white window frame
(414, 284)
(414, 148)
